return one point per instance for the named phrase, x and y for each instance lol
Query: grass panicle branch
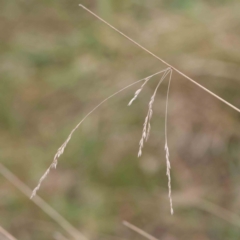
(167, 149)
(60, 151)
(146, 124)
(147, 127)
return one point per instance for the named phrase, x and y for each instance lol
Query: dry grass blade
(160, 59)
(219, 212)
(62, 148)
(42, 204)
(6, 234)
(139, 231)
(59, 236)
(193, 197)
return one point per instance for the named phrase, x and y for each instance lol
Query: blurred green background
(57, 62)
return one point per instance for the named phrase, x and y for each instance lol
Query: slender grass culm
(139, 231)
(146, 126)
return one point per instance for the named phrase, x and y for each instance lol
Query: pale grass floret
(169, 178)
(60, 151)
(138, 91)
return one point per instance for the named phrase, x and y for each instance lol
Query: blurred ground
(57, 62)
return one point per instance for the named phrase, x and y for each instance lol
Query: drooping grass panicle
(146, 124)
(168, 165)
(147, 120)
(60, 151)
